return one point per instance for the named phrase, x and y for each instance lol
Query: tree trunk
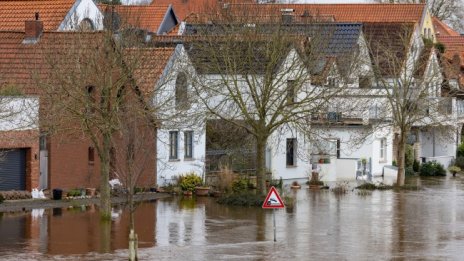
(105, 197)
(401, 160)
(133, 239)
(261, 165)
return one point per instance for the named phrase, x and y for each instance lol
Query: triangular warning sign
(273, 199)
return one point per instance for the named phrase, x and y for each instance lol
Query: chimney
(33, 29)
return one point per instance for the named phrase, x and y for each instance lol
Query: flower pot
(295, 186)
(188, 193)
(314, 187)
(90, 191)
(202, 191)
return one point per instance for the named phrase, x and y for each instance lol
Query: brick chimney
(33, 29)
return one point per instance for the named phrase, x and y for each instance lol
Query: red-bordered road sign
(273, 200)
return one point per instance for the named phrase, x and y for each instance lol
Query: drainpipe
(433, 140)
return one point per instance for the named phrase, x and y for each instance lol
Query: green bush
(372, 186)
(189, 181)
(460, 150)
(454, 169)
(409, 156)
(409, 171)
(277, 183)
(244, 199)
(240, 186)
(432, 168)
(394, 163)
(416, 166)
(459, 162)
(367, 186)
(74, 193)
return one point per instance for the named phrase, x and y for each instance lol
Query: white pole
(274, 221)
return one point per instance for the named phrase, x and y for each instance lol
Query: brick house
(66, 160)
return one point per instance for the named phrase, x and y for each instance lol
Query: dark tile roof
(388, 45)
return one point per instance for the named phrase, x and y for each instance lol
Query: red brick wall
(69, 164)
(28, 140)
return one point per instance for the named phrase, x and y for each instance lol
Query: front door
(43, 184)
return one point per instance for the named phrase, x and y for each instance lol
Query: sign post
(273, 201)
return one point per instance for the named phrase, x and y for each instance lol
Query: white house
(355, 124)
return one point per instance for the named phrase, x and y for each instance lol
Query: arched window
(86, 25)
(181, 91)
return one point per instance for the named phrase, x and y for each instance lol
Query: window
(43, 142)
(173, 144)
(291, 96)
(181, 92)
(188, 144)
(291, 152)
(383, 149)
(91, 154)
(86, 25)
(90, 102)
(364, 82)
(332, 82)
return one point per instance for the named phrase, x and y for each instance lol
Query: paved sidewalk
(29, 204)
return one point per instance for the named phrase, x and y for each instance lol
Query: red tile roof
(443, 29)
(51, 12)
(184, 8)
(341, 12)
(25, 65)
(454, 54)
(148, 17)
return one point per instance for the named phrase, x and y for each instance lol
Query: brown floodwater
(383, 225)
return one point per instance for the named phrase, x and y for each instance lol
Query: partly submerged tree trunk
(261, 165)
(401, 159)
(105, 195)
(133, 239)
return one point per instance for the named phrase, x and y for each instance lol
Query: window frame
(383, 150)
(174, 145)
(291, 92)
(181, 92)
(291, 152)
(188, 144)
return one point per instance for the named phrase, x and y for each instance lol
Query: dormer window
(291, 94)
(86, 25)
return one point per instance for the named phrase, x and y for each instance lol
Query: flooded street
(385, 225)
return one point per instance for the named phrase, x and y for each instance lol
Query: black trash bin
(57, 194)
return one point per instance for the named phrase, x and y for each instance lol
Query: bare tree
(86, 85)
(133, 153)
(406, 73)
(450, 11)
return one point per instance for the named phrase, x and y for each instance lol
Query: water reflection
(427, 224)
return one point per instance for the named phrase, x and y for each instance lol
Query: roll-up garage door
(13, 169)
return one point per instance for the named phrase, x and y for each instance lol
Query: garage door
(13, 169)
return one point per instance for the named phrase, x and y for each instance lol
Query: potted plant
(90, 191)
(295, 185)
(314, 182)
(202, 190)
(454, 169)
(188, 183)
